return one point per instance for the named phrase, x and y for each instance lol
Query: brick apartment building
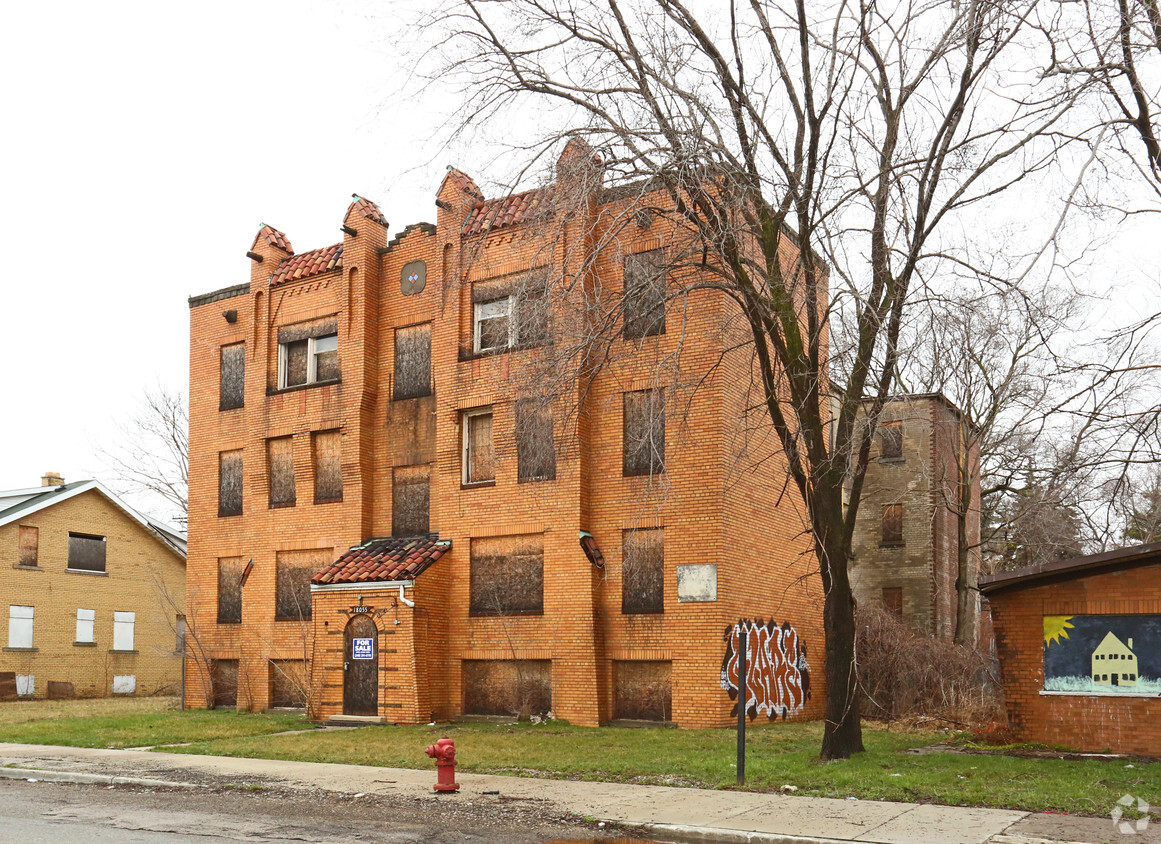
(390, 518)
(915, 520)
(95, 593)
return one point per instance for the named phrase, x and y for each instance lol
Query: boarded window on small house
(280, 465)
(232, 385)
(327, 450)
(643, 571)
(294, 569)
(893, 601)
(29, 546)
(891, 441)
(288, 683)
(509, 687)
(412, 362)
(410, 500)
(479, 455)
(224, 681)
(644, 432)
(230, 483)
(86, 552)
(507, 575)
(535, 447)
(643, 691)
(531, 310)
(893, 524)
(230, 590)
(644, 304)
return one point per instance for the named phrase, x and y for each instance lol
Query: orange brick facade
(1100, 723)
(722, 499)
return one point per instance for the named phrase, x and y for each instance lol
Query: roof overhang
(1118, 559)
(366, 586)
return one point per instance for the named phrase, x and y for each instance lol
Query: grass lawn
(129, 722)
(777, 754)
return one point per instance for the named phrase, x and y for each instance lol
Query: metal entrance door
(361, 667)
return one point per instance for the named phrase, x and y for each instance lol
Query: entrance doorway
(361, 667)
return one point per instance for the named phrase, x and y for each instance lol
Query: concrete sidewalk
(677, 814)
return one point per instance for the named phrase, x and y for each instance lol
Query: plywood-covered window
(308, 353)
(412, 362)
(230, 590)
(20, 620)
(535, 445)
(288, 683)
(507, 687)
(644, 432)
(479, 455)
(86, 552)
(643, 571)
(531, 310)
(29, 546)
(893, 601)
(123, 624)
(327, 456)
(644, 304)
(232, 378)
(642, 691)
(280, 468)
(410, 500)
(294, 569)
(85, 621)
(510, 312)
(893, 524)
(507, 575)
(230, 483)
(224, 681)
(891, 440)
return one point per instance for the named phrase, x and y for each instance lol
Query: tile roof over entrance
(308, 264)
(386, 558)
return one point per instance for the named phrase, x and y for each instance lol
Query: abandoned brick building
(919, 518)
(390, 519)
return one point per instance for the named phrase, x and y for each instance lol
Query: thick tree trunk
(842, 732)
(965, 586)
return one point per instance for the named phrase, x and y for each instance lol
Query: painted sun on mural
(1102, 654)
(777, 673)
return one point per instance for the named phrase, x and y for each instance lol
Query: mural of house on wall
(777, 673)
(1102, 654)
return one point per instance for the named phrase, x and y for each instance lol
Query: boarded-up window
(20, 626)
(288, 683)
(308, 353)
(643, 691)
(507, 687)
(232, 386)
(412, 362)
(327, 454)
(893, 601)
(85, 621)
(224, 680)
(507, 575)
(29, 546)
(86, 552)
(479, 456)
(230, 590)
(644, 432)
(643, 571)
(531, 310)
(893, 524)
(535, 448)
(230, 483)
(410, 500)
(280, 466)
(891, 440)
(294, 569)
(644, 294)
(491, 325)
(123, 624)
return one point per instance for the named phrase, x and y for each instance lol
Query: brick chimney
(51, 479)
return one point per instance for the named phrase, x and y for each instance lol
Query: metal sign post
(743, 699)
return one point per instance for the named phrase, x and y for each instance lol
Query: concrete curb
(682, 834)
(97, 779)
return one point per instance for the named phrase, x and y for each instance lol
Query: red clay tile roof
(461, 180)
(368, 209)
(275, 238)
(385, 559)
(492, 214)
(314, 262)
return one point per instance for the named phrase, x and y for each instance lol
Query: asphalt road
(61, 813)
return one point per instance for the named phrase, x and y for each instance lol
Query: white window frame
(312, 353)
(21, 621)
(465, 451)
(123, 623)
(86, 620)
(493, 309)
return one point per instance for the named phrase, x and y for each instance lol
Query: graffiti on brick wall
(777, 673)
(1105, 654)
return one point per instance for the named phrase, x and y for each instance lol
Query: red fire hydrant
(444, 754)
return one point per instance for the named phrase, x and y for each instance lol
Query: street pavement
(673, 814)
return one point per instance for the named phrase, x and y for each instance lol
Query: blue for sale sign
(363, 648)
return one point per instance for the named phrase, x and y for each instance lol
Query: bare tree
(820, 166)
(151, 456)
